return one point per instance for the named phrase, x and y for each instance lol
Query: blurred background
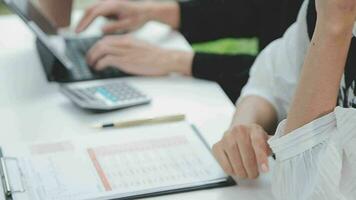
(223, 46)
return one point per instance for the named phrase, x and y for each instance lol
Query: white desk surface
(31, 109)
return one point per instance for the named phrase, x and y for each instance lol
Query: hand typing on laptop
(128, 15)
(126, 53)
(134, 56)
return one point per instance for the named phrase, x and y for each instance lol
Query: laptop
(63, 60)
(70, 52)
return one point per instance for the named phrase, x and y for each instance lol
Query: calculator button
(86, 94)
(103, 98)
(113, 94)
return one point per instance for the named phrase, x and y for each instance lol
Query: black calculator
(104, 96)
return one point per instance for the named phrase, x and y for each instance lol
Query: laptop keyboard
(76, 51)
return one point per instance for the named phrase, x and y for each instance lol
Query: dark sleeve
(203, 20)
(231, 72)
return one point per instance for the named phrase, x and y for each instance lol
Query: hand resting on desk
(242, 150)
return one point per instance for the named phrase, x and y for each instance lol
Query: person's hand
(243, 151)
(336, 13)
(138, 57)
(127, 15)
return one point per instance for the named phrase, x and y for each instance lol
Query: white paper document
(121, 163)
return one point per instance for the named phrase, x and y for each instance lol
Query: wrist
(179, 62)
(255, 110)
(332, 35)
(164, 12)
(335, 27)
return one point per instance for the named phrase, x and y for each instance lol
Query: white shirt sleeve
(275, 73)
(316, 161)
(262, 80)
(346, 127)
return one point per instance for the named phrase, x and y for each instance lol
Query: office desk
(31, 109)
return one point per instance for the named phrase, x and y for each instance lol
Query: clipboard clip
(15, 183)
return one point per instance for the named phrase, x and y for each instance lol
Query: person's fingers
(233, 154)
(242, 135)
(127, 41)
(86, 14)
(261, 148)
(99, 46)
(120, 25)
(108, 45)
(101, 51)
(100, 9)
(106, 61)
(222, 158)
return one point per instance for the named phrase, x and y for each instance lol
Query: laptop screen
(55, 49)
(30, 12)
(51, 46)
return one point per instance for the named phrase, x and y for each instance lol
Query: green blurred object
(3, 9)
(223, 46)
(229, 46)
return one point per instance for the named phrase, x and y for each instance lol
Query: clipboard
(228, 182)
(13, 180)
(11, 183)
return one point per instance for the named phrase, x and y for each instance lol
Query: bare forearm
(59, 11)
(318, 87)
(255, 110)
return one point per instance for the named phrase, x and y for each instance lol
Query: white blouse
(318, 160)
(275, 73)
